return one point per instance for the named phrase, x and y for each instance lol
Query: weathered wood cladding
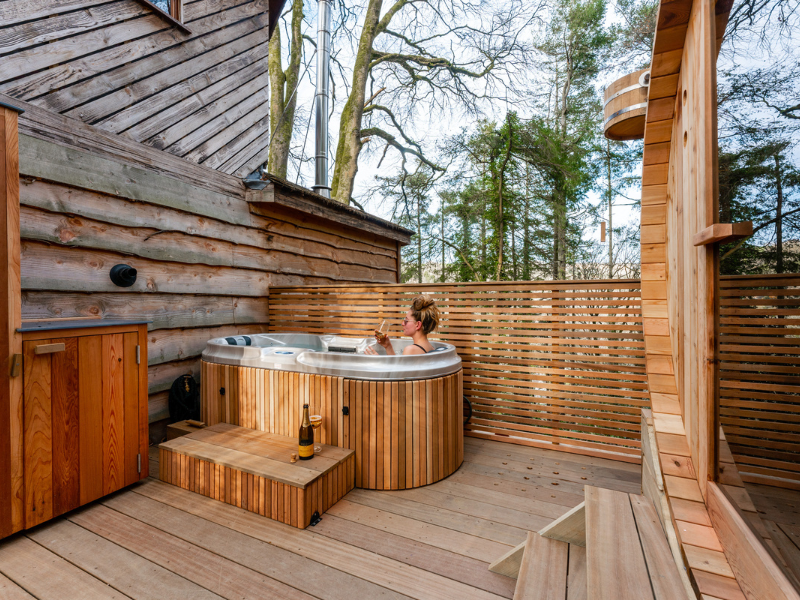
(90, 200)
(124, 68)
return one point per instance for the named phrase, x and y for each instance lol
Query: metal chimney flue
(321, 99)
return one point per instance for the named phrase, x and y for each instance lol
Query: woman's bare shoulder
(412, 349)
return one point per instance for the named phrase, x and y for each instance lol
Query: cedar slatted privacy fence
(551, 364)
(760, 375)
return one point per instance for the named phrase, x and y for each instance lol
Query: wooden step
(253, 470)
(627, 554)
(551, 570)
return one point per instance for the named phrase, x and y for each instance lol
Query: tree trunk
(560, 220)
(282, 86)
(419, 241)
(483, 243)
(779, 216)
(500, 216)
(526, 236)
(444, 277)
(346, 162)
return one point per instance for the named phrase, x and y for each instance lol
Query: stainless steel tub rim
(307, 353)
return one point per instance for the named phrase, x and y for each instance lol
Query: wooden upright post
(11, 507)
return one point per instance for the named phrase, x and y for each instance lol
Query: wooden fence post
(11, 507)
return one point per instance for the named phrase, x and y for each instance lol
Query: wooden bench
(253, 470)
(611, 547)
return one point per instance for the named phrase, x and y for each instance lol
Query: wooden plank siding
(205, 255)
(759, 376)
(121, 66)
(553, 364)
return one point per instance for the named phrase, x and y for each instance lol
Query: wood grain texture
(517, 387)
(113, 430)
(760, 382)
(77, 400)
(101, 43)
(66, 431)
(755, 569)
(664, 576)
(271, 401)
(38, 435)
(610, 534)
(11, 388)
(543, 572)
(569, 527)
(90, 409)
(258, 475)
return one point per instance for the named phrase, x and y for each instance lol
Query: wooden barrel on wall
(625, 106)
(406, 434)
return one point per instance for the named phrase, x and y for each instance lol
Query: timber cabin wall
(136, 135)
(199, 91)
(206, 249)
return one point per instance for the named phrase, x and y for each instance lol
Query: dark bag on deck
(184, 399)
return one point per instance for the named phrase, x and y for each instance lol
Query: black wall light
(123, 275)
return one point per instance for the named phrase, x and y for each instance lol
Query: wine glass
(316, 423)
(382, 331)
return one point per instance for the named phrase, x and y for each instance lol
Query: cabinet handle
(49, 348)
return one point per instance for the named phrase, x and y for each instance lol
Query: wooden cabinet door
(83, 432)
(50, 428)
(110, 416)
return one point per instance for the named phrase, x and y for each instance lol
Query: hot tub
(401, 414)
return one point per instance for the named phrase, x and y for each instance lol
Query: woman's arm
(383, 340)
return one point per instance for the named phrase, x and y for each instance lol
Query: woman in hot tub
(421, 319)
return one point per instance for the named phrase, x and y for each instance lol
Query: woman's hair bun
(423, 302)
(425, 311)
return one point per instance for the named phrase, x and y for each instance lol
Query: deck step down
(611, 547)
(253, 470)
(551, 570)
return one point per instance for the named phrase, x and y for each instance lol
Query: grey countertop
(28, 326)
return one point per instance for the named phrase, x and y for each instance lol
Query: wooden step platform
(253, 470)
(611, 547)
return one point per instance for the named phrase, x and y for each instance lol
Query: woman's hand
(370, 350)
(383, 339)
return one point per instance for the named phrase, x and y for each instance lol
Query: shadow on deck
(155, 540)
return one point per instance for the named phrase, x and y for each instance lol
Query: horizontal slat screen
(553, 364)
(760, 376)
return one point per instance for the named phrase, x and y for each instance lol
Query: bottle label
(306, 451)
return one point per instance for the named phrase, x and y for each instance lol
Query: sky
(435, 126)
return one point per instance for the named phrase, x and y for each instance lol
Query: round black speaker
(123, 275)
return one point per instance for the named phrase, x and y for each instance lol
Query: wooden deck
(155, 540)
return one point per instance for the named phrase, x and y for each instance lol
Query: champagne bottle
(306, 436)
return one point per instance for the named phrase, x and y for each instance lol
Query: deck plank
(441, 537)
(11, 591)
(398, 579)
(543, 572)
(492, 511)
(576, 579)
(442, 562)
(610, 535)
(120, 569)
(221, 537)
(434, 542)
(440, 515)
(216, 573)
(25, 562)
